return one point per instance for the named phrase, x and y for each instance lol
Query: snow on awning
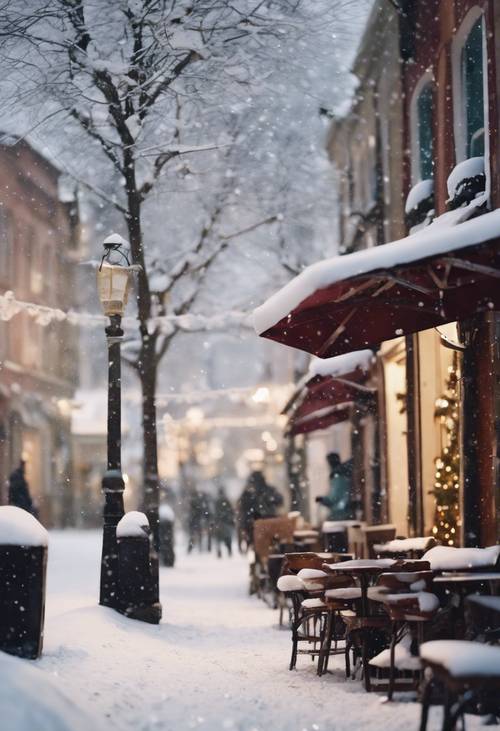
(325, 394)
(448, 271)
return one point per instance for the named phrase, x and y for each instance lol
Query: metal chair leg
(325, 645)
(426, 701)
(392, 669)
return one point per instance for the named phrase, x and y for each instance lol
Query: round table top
(465, 578)
(362, 566)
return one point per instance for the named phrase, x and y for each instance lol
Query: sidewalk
(217, 661)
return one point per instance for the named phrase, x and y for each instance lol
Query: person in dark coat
(223, 522)
(19, 492)
(258, 500)
(195, 520)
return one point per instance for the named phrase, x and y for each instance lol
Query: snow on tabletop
(363, 563)
(466, 169)
(311, 574)
(422, 190)
(340, 364)
(449, 558)
(166, 513)
(133, 525)
(290, 583)
(462, 658)
(348, 592)
(430, 241)
(405, 544)
(31, 700)
(20, 528)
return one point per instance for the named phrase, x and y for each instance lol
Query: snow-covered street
(217, 661)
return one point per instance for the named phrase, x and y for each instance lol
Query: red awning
(320, 419)
(326, 398)
(436, 276)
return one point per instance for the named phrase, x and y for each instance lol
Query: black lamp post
(113, 285)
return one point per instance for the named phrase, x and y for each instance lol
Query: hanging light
(113, 275)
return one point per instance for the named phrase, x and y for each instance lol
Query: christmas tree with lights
(447, 475)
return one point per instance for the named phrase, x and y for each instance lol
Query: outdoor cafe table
(364, 570)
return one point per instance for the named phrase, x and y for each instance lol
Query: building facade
(427, 101)
(38, 375)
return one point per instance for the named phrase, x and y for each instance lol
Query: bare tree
(119, 69)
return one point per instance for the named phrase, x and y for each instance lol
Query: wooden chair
(468, 674)
(409, 602)
(374, 534)
(268, 533)
(304, 583)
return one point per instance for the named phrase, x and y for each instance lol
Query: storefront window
(473, 91)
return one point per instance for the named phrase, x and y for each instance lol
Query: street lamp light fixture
(113, 276)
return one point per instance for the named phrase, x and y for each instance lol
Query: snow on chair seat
(462, 658)
(313, 579)
(411, 607)
(313, 604)
(347, 594)
(290, 583)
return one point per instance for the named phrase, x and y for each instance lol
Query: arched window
(424, 111)
(472, 69)
(422, 129)
(470, 91)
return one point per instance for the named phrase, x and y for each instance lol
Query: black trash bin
(167, 520)
(23, 566)
(136, 585)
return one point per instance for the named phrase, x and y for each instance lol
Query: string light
(447, 475)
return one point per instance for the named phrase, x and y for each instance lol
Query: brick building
(38, 247)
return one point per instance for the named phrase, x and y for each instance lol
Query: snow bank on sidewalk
(30, 701)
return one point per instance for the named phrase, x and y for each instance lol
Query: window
(470, 88)
(472, 67)
(424, 132)
(422, 129)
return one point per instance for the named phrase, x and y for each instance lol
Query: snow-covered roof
(340, 365)
(20, 528)
(442, 236)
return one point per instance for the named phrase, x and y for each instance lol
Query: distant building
(38, 364)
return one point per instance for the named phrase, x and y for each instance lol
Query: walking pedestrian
(223, 522)
(19, 491)
(259, 499)
(195, 520)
